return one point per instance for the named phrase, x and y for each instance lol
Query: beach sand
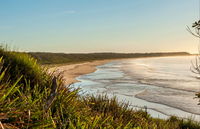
(71, 71)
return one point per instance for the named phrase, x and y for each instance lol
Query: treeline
(60, 58)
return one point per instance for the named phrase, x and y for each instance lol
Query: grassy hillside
(31, 98)
(60, 58)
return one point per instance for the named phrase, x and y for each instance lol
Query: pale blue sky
(98, 25)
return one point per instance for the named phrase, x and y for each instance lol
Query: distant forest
(63, 58)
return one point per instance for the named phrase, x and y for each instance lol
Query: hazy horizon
(106, 52)
(88, 26)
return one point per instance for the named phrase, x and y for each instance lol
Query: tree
(196, 27)
(196, 66)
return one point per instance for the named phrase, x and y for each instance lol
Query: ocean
(165, 85)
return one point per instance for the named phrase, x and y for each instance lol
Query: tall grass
(32, 98)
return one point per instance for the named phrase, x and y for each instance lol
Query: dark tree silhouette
(196, 65)
(196, 27)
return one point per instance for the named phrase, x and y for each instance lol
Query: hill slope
(31, 98)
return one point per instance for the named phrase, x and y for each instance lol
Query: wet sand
(71, 71)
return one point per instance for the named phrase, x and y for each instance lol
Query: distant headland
(68, 58)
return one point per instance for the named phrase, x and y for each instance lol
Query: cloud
(69, 12)
(65, 13)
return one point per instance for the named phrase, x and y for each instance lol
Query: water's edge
(156, 109)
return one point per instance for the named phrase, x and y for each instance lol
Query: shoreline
(71, 71)
(193, 113)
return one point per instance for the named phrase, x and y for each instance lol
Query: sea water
(165, 85)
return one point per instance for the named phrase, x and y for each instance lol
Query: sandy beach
(71, 71)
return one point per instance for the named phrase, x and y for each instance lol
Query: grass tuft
(32, 98)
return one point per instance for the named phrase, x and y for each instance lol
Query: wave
(157, 83)
(182, 101)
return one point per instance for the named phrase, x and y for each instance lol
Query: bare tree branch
(190, 31)
(195, 68)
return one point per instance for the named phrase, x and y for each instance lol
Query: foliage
(31, 98)
(60, 58)
(196, 27)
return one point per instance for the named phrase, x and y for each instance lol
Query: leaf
(10, 90)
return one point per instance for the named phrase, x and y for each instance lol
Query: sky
(75, 26)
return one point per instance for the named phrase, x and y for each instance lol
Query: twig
(1, 125)
(190, 31)
(52, 95)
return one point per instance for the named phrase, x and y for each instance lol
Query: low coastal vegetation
(32, 98)
(61, 58)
